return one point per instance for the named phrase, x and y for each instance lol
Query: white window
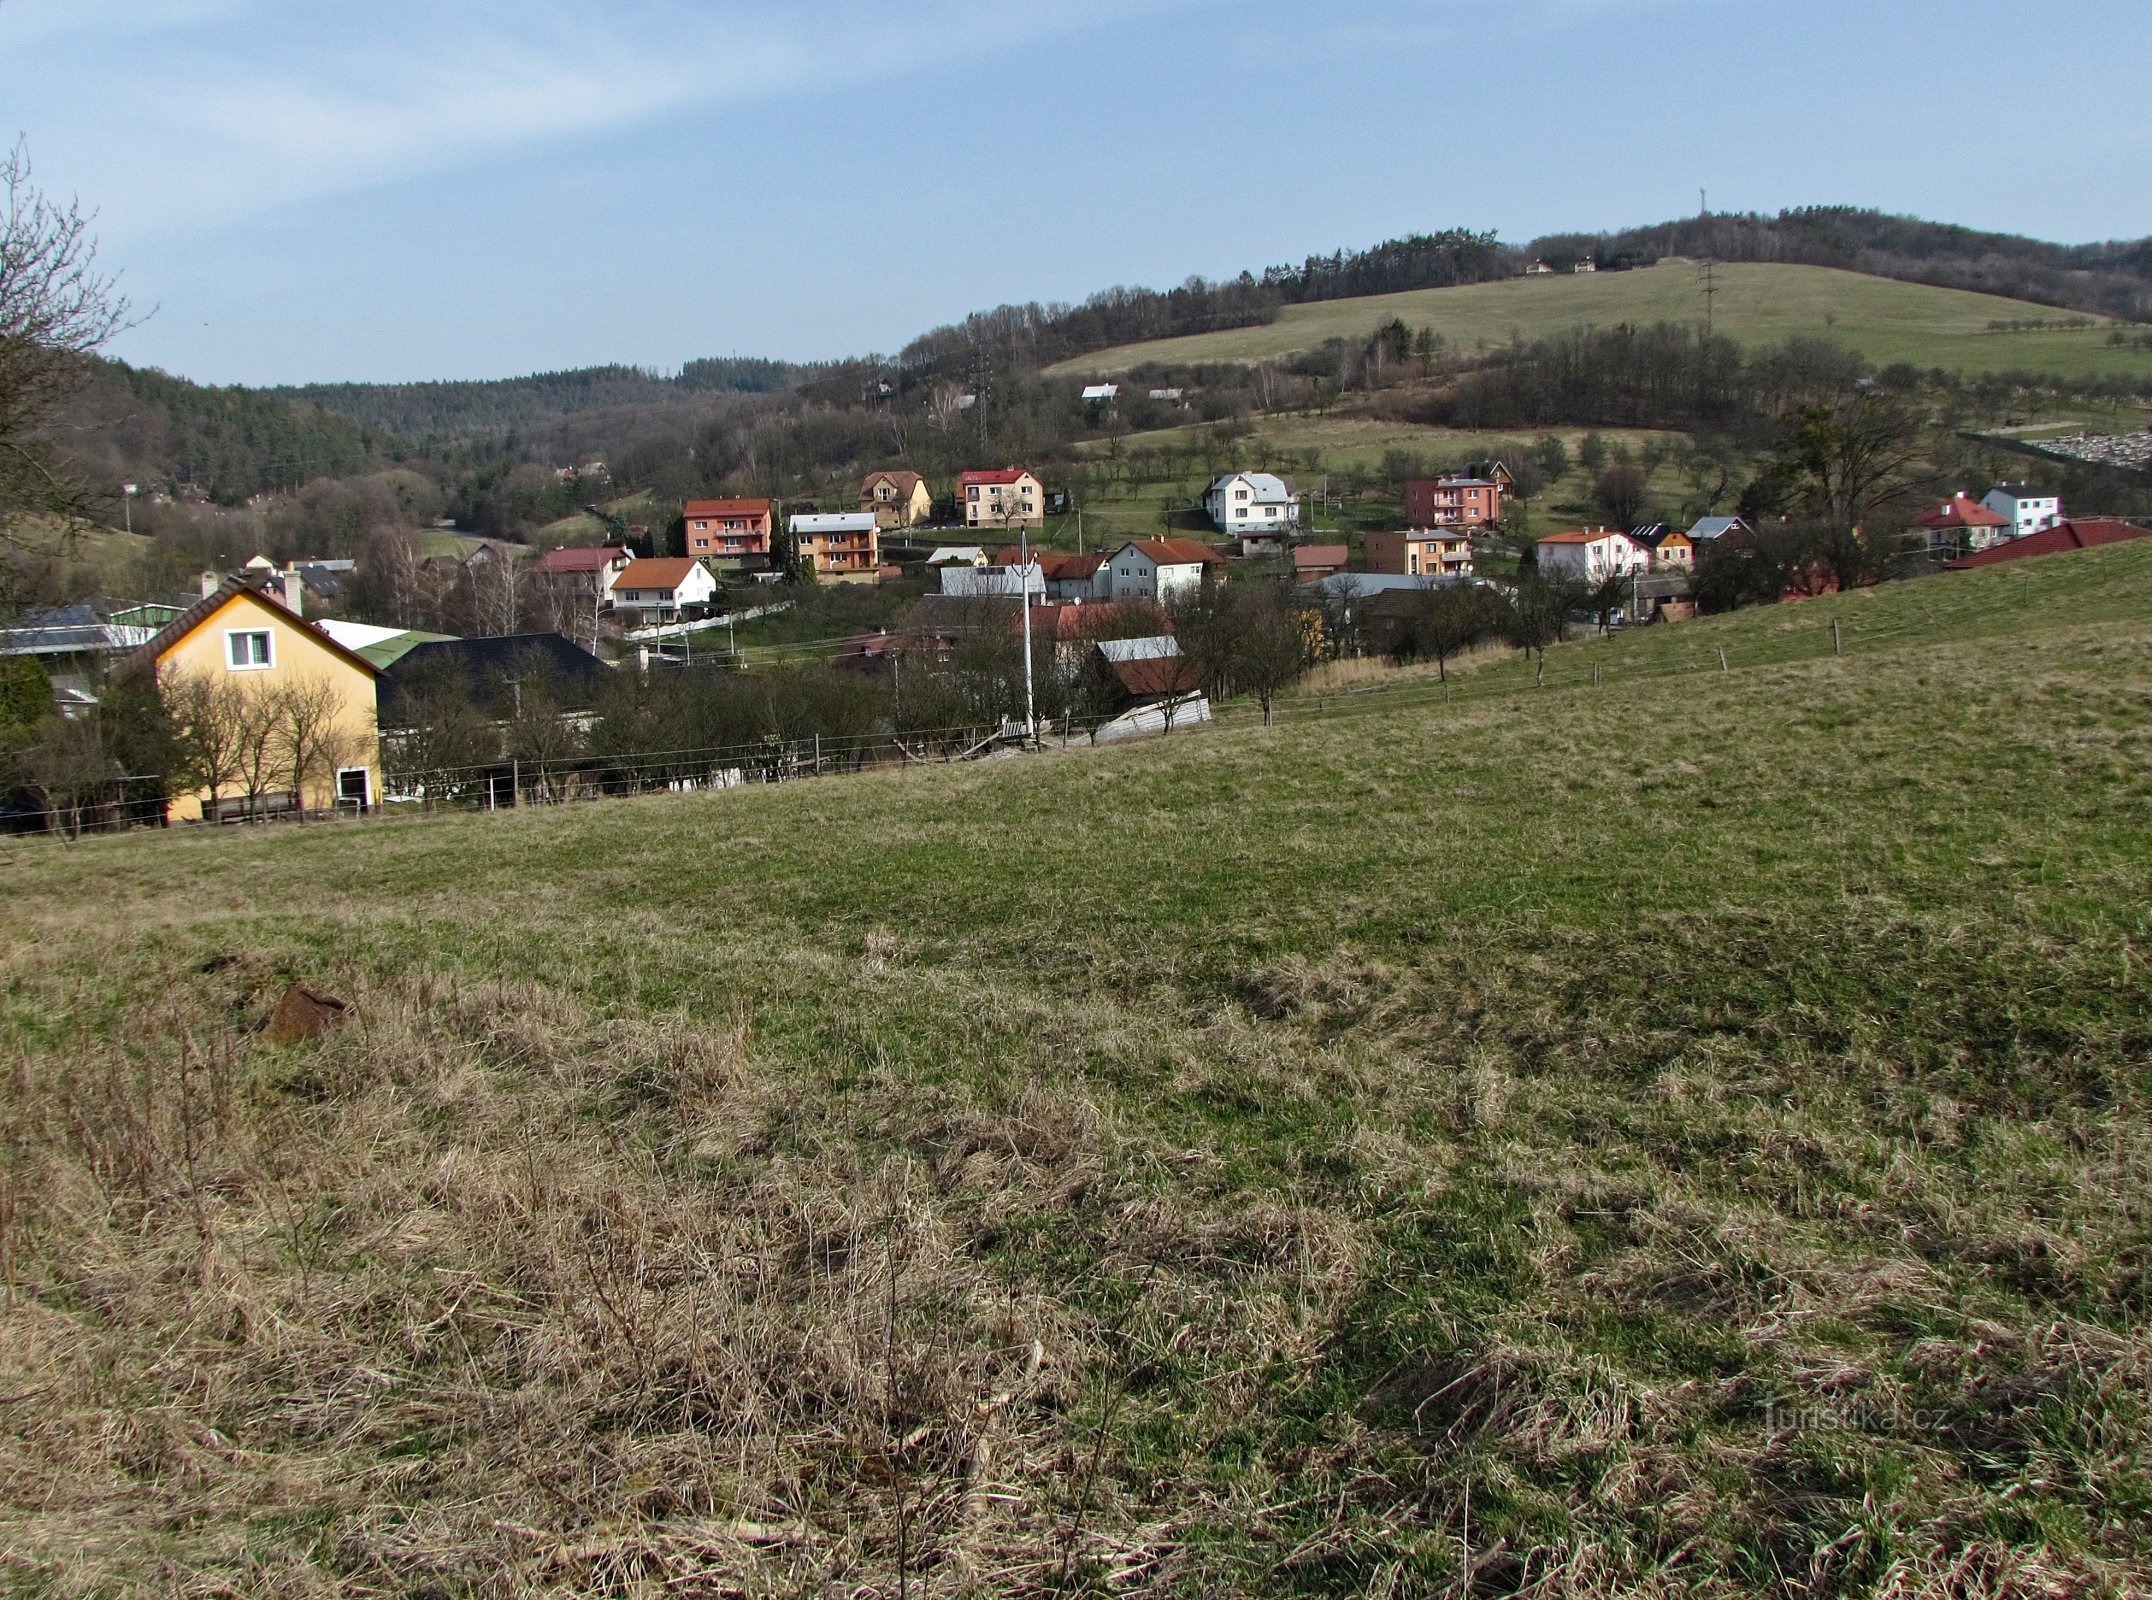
(249, 649)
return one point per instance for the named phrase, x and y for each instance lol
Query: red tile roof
(1178, 552)
(587, 558)
(1000, 475)
(727, 508)
(660, 572)
(2083, 534)
(1961, 513)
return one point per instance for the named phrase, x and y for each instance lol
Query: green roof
(387, 652)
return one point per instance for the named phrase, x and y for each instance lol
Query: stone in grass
(304, 1013)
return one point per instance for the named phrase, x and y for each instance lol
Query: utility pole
(1023, 585)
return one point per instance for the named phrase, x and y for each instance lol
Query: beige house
(279, 698)
(897, 499)
(1008, 497)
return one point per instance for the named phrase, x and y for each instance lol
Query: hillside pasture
(1685, 1137)
(1885, 320)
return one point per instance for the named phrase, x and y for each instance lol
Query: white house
(660, 589)
(1007, 579)
(1101, 394)
(1242, 501)
(1591, 557)
(1160, 570)
(2028, 509)
(968, 555)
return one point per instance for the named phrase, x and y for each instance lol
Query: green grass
(1885, 320)
(1680, 1136)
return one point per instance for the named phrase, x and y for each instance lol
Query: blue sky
(392, 189)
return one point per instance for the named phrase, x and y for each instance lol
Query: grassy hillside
(1680, 1137)
(1885, 320)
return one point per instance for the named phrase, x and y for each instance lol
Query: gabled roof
(1157, 676)
(1177, 552)
(2083, 534)
(833, 522)
(656, 572)
(384, 647)
(1714, 527)
(481, 666)
(970, 554)
(1961, 511)
(1583, 537)
(902, 481)
(1054, 565)
(726, 508)
(240, 589)
(1002, 476)
(587, 558)
(1270, 489)
(1308, 557)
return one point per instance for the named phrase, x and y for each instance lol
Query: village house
(1159, 570)
(1462, 502)
(968, 555)
(1064, 576)
(1669, 549)
(1007, 574)
(1240, 501)
(663, 589)
(1591, 556)
(1960, 526)
(1420, 552)
(1705, 529)
(586, 574)
(240, 636)
(2028, 510)
(729, 534)
(1268, 540)
(1009, 497)
(897, 499)
(1313, 561)
(845, 545)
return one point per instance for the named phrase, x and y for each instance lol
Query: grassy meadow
(1679, 1135)
(1885, 320)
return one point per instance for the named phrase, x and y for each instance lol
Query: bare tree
(256, 747)
(69, 767)
(56, 311)
(311, 735)
(1268, 643)
(209, 712)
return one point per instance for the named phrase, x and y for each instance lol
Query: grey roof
(1714, 527)
(832, 522)
(1270, 489)
(1150, 649)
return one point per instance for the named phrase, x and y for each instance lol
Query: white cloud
(204, 112)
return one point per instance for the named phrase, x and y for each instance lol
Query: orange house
(729, 532)
(1420, 553)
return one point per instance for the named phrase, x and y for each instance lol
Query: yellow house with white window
(282, 715)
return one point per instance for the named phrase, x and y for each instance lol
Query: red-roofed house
(729, 533)
(2083, 533)
(661, 589)
(1961, 524)
(585, 574)
(1008, 497)
(1159, 570)
(1591, 556)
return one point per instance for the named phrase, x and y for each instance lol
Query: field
(1885, 320)
(1678, 1134)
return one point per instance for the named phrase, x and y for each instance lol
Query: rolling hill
(1886, 320)
(1676, 1131)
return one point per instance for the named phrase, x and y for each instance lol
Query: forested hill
(2113, 279)
(456, 413)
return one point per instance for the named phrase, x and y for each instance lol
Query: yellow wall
(300, 655)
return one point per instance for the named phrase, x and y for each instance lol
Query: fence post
(1837, 646)
(1722, 660)
(1595, 675)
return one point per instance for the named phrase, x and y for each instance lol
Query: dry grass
(1575, 1145)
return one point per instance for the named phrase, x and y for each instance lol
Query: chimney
(295, 594)
(210, 583)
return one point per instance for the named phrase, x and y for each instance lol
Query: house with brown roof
(1007, 497)
(584, 574)
(1454, 502)
(314, 699)
(1312, 561)
(1159, 570)
(1420, 552)
(663, 589)
(731, 535)
(898, 499)
(1590, 555)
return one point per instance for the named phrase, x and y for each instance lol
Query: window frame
(268, 661)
